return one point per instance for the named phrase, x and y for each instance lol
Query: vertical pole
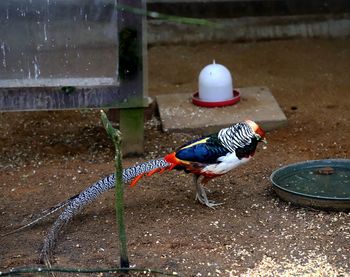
(132, 73)
(131, 125)
(115, 135)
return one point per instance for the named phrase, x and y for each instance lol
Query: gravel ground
(47, 157)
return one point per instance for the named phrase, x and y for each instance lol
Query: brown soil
(48, 156)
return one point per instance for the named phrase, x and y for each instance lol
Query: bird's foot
(203, 199)
(201, 195)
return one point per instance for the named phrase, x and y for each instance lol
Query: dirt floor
(47, 157)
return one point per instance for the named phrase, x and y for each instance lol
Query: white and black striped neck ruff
(236, 136)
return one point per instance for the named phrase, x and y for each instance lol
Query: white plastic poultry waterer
(215, 87)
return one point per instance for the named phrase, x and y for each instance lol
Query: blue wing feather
(203, 150)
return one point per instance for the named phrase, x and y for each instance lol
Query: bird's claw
(203, 199)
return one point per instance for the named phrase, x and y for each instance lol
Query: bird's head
(259, 133)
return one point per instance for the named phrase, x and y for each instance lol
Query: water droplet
(45, 32)
(3, 50)
(36, 68)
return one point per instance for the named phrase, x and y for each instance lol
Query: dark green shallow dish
(320, 184)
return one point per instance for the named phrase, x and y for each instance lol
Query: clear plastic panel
(58, 43)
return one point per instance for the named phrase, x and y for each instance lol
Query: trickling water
(3, 50)
(36, 68)
(45, 32)
(29, 73)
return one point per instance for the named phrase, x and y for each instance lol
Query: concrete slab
(178, 114)
(250, 20)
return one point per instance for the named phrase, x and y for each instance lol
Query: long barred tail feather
(42, 216)
(75, 204)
